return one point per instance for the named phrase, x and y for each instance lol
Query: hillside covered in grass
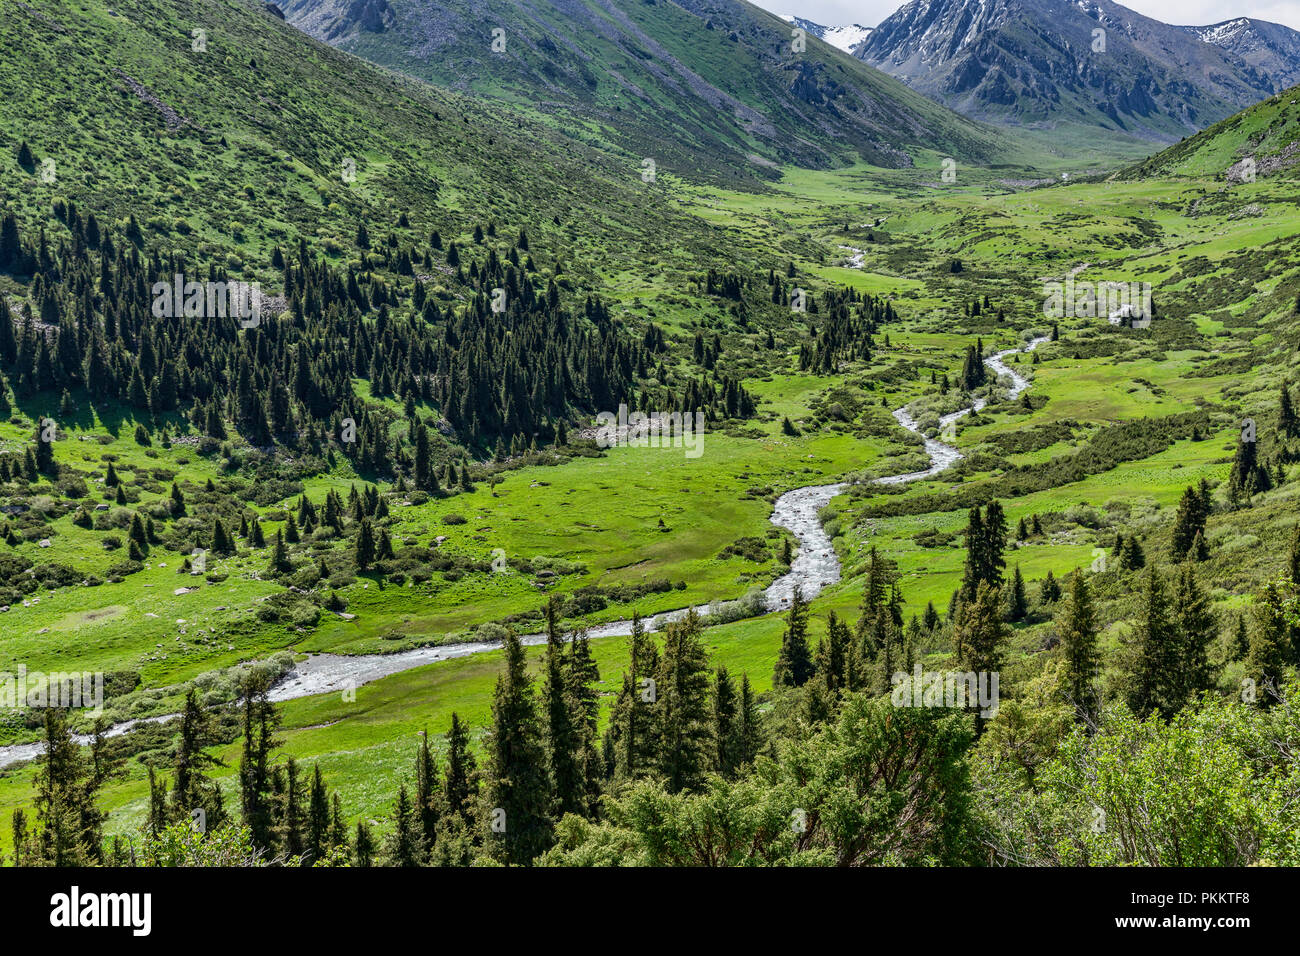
(708, 90)
(398, 461)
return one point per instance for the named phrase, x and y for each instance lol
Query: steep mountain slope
(1271, 48)
(709, 86)
(1267, 134)
(1092, 63)
(267, 137)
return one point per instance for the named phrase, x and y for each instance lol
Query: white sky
(1198, 12)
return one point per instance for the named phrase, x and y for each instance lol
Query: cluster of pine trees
(499, 370)
(851, 320)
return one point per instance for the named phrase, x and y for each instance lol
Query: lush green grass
(1225, 283)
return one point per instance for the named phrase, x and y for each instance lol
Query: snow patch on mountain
(847, 38)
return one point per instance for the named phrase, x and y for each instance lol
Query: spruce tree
(794, 662)
(459, 786)
(726, 741)
(632, 724)
(1050, 591)
(364, 553)
(750, 730)
(1293, 558)
(402, 846)
(518, 797)
(363, 847)
(1288, 424)
(972, 573)
(428, 796)
(563, 740)
(318, 819)
(1188, 522)
(980, 633)
(191, 789)
(1269, 643)
(259, 724)
(1019, 604)
(1076, 626)
(280, 563)
(1195, 628)
(290, 812)
(222, 544)
(682, 712)
(60, 799)
(1151, 651)
(582, 678)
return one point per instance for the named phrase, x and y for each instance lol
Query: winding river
(814, 566)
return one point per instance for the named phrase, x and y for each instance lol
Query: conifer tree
(1132, 557)
(259, 724)
(289, 810)
(280, 563)
(631, 741)
(427, 793)
(1050, 590)
(726, 725)
(1269, 640)
(1293, 558)
(402, 846)
(191, 789)
(794, 662)
(518, 796)
(682, 710)
(1195, 627)
(1288, 424)
(1188, 522)
(930, 618)
(363, 847)
(563, 740)
(459, 787)
(67, 833)
(221, 540)
(1076, 626)
(582, 678)
(318, 819)
(1151, 651)
(749, 733)
(1019, 603)
(980, 632)
(365, 546)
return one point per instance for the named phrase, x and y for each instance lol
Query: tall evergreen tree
(403, 846)
(191, 788)
(518, 796)
(1269, 644)
(563, 739)
(1188, 522)
(632, 729)
(1019, 604)
(1195, 627)
(726, 724)
(1151, 650)
(459, 786)
(1076, 626)
(682, 711)
(428, 795)
(259, 724)
(750, 730)
(318, 819)
(794, 661)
